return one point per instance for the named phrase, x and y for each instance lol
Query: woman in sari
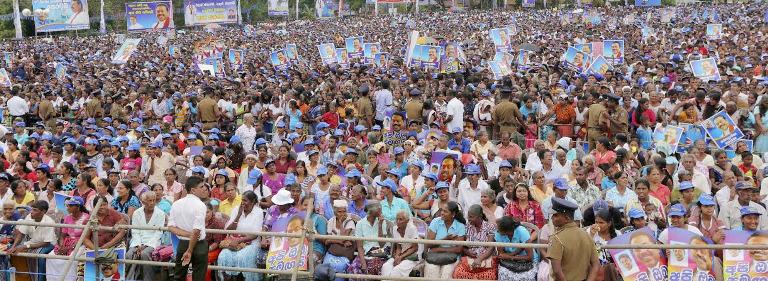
(68, 238)
(340, 252)
(239, 250)
(515, 263)
(477, 262)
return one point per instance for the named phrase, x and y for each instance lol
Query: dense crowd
(158, 143)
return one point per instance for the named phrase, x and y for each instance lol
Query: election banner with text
(277, 7)
(639, 264)
(149, 15)
(5, 79)
(723, 130)
(745, 264)
(60, 15)
(201, 12)
(284, 251)
(690, 264)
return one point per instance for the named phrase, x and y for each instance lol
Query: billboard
(60, 15)
(326, 8)
(278, 7)
(201, 12)
(149, 15)
(647, 3)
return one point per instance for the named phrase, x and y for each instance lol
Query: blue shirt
(441, 231)
(645, 136)
(521, 235)
(354, 211)
(403, 168)
(321, 227)
(389, 211)
(463, 145)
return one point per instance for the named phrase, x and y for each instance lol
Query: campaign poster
(666, 139)
(292, 52)
(236, 59)
(452, 58)
(149, 15)
(647, 3)
(125, 51)
(504, 57)
(599, 67)
(613, 51)
(284, 251)
(500, 39)
(326, 8)
(524, 59)
(705, 69)
(690, 264)
(639, 264)
(112, 271)
(5, 79)
(745, 264)
(714, 31)
(354, 46)
(208, 48)
(692, 133)
(722, 130)
(499, 70)
(8, 59)
(529, 3)
(444, 164)
(206, 68)
(173, 51)
(279, 60)
(576, 60)
(60, 199)
(327, 53)
(342, 58)
(217, 65)
(61, 71)
(647, 32)
(60, 15)
(202, 12)
(748, 145)
(428, 56)
(370, 50)
(413, 37)
(277, 7)
(381, 60)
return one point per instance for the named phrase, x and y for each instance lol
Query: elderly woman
(340, 252)
(77, 215)
(371, 255)
(143, 242)
(442, 259)
(239, 249)
(515, 263)
(488, 203)
(404, 255)
(6, 231)
(477, 262)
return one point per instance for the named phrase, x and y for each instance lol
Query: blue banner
(149, 15)
(60, 15)
(647, 3)
(201, 12)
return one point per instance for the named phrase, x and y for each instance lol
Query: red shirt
(332, 118)
(531, 214)
(662, 193)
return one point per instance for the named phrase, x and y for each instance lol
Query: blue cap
(166, 136)
(155, 128)
(394, 172)
(636, 214)
(253, 176)
(677, 210)
(20, 124)
(706, 200)
(685, 185)
(418, 164)
(322, 171)
(122, 138)
(505, 164)
(321, 125)
(134, 147)
(354, 173)
(430, 176)
(136, 119)
(749, 210)
(260, 141)
(376, 128)
(388, 183)
(234, 139)
(34, 136)
(214, 131)
(399, 150)
(194, 130)
(74, 200)
(114, 143)
(173, 132)
(338, 133)
(309, 142)
(671, 160)
(198, 170)
(43, 167)
(290, 179)
(222, 172)
(71, 141)
(191, 137)
(351, 151)
(311, 152)
(299, 125)
(213, 137)
(743, 185)
(561, 184)
(456, 130)
(599, 204)
(157, 145)
(472, 169)
(360, 128)
(122, 127)
(440, 185)
(280, 124)
(92, 141)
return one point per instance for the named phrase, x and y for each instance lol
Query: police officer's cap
(363, 89)
(560, 205)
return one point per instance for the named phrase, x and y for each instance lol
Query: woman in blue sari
(340, 252)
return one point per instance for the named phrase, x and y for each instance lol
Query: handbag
(516, 266)
(341, 251)
(379, 252)
(440, 258)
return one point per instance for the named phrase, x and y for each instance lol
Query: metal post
(297, 9)
(375, 7)
(17, 19)
(93, 221)
(307, 224)
(102, 23)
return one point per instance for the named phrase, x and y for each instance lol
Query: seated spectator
(6, 231)
(231, 199)
(405, 256)
(340, 252)
(144, 242)
(126, 201)
(240, 250)
(320, 226)
(523, 208)
(35, 239)
(515, 263)
(77, 215)
(371, 255)
(441, 260)
(106, 216)
(20, 195)
(477, 262)
(214, 220)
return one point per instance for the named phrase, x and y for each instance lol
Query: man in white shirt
(143, 242)
(730, 213)
(677, 219)
(187, 221)
(471, 188)
(383, 99)
(561, 191)
(455, 113)
(5, 191)
(700, 181)
(17, 106)
(156, 163)
(39, 239)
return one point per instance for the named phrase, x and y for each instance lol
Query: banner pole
(17, 19)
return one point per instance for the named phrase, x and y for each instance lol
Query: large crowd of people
(155, 142)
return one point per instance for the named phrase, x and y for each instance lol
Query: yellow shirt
(539, 195)
(226, 207)
(28, 198)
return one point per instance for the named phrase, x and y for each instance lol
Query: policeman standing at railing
(571, 251)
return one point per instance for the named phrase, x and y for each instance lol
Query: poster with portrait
(342, 58)
(279, 60)
(125, 51)
(292, 52)
(236, 59)
(61, 71)
(327, 53)
(173, 51)
(326, 8)
(8, 59)
(60, 15)
(666, 139)
(524, 59)
(210, 47)
(370, 50)
(504, 58)
(277, 7)
(500, 39)
(639, 264)
(112, 271)
(203, 12)
(140, 16)
(206, 69)
(284, 251)
(647, 32)
(613, 51)
(428, 56)
(745, 264)
(705, 69)
(499, 70)
(599, 67)
(722, 130)
(576, 60)
(690, 264)
(354, 46)
(647, 3)
(5, 79)
(586, 48)
(691, 134)
(217, 65)
(381, 60)
(529, 3)
(452, 58)
(747, 145)
(714, 31)
(444, 164)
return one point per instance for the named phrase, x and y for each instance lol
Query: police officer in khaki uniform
(46, 111)
(414, 107)
(594, 126)
(571, 251)
(364, 107)
(208, 110)
(615, 115)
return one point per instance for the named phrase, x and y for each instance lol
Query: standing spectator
(187, 220)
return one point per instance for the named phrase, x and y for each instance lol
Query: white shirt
(414, 187)
(724, 195)
(79, 18)
(664, 235)
(383, 100)
(251, 222)
(247, 136)
(150, 238)
(699, 180)
(38, 234)
(468, 196)
(455, 108)
(17, 106)
(188, 213)
(730, 214)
